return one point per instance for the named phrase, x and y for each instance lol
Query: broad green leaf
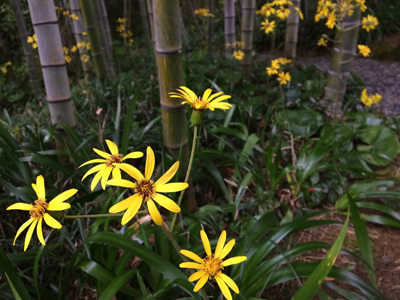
(300, 122)
(116, 284)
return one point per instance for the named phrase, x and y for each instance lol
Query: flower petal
(224, 289)
(122, 183)
(189, 92)
(133, 155)
(40, 191)
(213, 96)
(101, 153)
(190, 265)
(228, 247)
(220, 244)
(22, 228)
(192, 255)
(166, 203)
(154, 213)
(105, 177)
(206, 94)
(51, 221)
(113, 148)
(116, 173)
(29, 234)
(222, 98)
(97, 178)
(58, 206)
(196, 276)
(168, 175)
(21, 206)
(39, 232)
(200, 283)
(134, 205)
(64, 196)
(150, 162)
(229, 282)
(131, 170)
(171, 187)
(234, 260)
(206, 242)
(93, 161)
(94, 170)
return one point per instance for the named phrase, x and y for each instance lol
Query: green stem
(189, 169)
(339, 70)
(97, 215)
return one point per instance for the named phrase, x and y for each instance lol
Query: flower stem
(189, 169)
(96, 216)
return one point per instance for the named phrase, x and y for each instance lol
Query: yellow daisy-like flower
(282, 61)
(85, 58)
(212, 265)
(323, 42)
(364, 50)
(68, 58)
(268, 26)
(3, 69)
(109, 164)
(73, 49)
(40, 210)
(238, 54)
(200, 103)
(362, 5)
(331, 22)
(282, 13)
(275, 66)
(8, 63)
(281, 2)
(147, 191)
(267, 10)
(370, 100)
(369, 23)
(283, 78)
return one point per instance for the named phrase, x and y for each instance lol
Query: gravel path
(381, 77)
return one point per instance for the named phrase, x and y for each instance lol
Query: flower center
(37, 211)
(145, 189)
(212, 266)
(115, 158)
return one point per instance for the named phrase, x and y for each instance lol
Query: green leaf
(313, 282)
(116, 284)
(300, 122)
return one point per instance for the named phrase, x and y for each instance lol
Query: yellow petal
(29, 234)
(131, 170)
(51, 221)
(122, 183)
(40, 191)
(101, 153)
(224, 289)
(154, 213)
(116, 173)
(97, 178)
(191, 94)
(135, 203)
(229, 282)
(206, 243)
(22, 228)
(133, 155)
(192, 255)
(206, 94)
(196, 276)
(234, 260)
(54, 206)
(39, 232)
(94, 170)
(166, 203)
(200, 283)
(21, 206)
(213, 96)
(222, 98)
(220, 244)
(168, 175)
(105, 177)
(64, 196)
(171, 187)
(150, 162)
(228, 247)
(190, 265)
(113, 148)
(97, 160)
(122, 205)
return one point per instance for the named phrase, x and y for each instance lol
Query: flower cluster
(275, 68)
(84, 57)
(122, 30)
(67, 13)
(370, 100)
(4, 67)
(204, 12)
(32, 40)
(364, 50)
(237, 54)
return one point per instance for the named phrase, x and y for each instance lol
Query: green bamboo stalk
(229, 25)
(248, 13)
(33, 72)
(107, 41)
(292, 31)
(78, 28)
(344, 48)
(170, 77)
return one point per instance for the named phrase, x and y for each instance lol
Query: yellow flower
(283, 78)
(147, 191)
(130, 42)
(281, 2)
(361, 3)
(68, 58)
(74, 17)
(81, 45)
(85, 58)
(283, 60)
(239, 44)
(109, 164)
(211, 102)
(282, 13)
(369, 23)
(330, 23)
(369, 100)
(32, 40)
(299, 12)
(88, 46)
(66, 50)
(40, 210)
(213, 264)
(121, 28)
(275, 66)
(65, 13)
(3, 69)
(84, 33)
(74, 48)
(268, 26)
(8, 63)
(364, 50)
(238, 54)
(267, 10)
(204, 12)
(323, 42)
(120, 20)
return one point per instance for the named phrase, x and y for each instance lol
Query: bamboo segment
(343, 53)
(292, 31)
(248, 13)
(78, 28)
(107, 41)
(51, 54)
(29, 56)
(229, 24)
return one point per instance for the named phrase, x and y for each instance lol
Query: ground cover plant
(183, 151)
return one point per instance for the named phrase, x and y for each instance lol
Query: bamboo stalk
(145, 23)
(33, 72)
(248, 13)
(292, 31)
(170, 76)
(107, 41)
(229, 25)
(51, 54)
